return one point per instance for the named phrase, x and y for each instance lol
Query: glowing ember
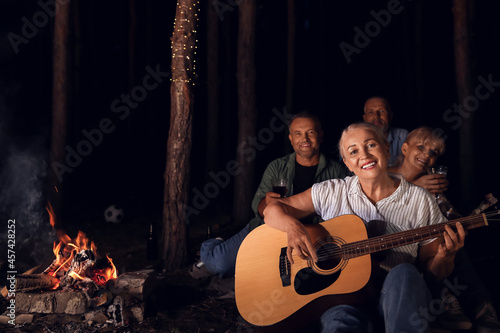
(75, 276)
(101, 276)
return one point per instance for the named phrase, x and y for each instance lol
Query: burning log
(5, 291)
(34, 282)
(81, 261)
(64, 253)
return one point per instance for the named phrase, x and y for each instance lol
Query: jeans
(470, 288)
(403, 305)
(220, 256)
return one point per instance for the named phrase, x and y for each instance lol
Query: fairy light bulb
(188, 13)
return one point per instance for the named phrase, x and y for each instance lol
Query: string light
(190, 71)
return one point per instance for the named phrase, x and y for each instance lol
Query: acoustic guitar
(268, 289)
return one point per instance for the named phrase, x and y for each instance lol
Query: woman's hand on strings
(300, 242)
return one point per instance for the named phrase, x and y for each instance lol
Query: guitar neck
(386, 242)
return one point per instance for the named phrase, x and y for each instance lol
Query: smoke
(23, 173)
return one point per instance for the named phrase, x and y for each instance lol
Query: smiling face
(378, 113)
(420, 153)
(421, 149)
(305, 137)
(364, 152)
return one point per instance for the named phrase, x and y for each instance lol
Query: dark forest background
(114, 45)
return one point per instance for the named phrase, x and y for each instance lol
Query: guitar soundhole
(329, 256)
(327, 270)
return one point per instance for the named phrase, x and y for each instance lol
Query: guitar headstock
(489, 201)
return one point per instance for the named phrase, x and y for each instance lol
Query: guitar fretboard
(386, 242)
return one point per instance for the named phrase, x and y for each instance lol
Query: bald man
(377, 111)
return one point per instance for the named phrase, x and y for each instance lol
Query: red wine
(281, 190)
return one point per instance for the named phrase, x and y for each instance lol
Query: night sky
(399, 49)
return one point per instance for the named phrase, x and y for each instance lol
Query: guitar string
(374, 242)
(427, 232)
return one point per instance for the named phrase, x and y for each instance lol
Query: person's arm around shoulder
(284, 215)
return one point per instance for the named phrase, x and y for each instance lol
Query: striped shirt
(409, 207)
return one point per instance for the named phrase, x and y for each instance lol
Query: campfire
(76, 266)
(79, 282)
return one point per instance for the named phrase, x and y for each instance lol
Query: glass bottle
(152, 251)
(446, 207)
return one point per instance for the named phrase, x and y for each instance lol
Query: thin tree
(462, 13)
(60, 91)
(247, 115)
(173, 249)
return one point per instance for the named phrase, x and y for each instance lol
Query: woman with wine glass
(374, 194)
(419, 153)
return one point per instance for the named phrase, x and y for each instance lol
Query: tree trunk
(245, 154)
(461, 15)
(212, 88)
(173, 241)
(59, 107)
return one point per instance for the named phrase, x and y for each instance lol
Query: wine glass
(279, 186)
(439, 169)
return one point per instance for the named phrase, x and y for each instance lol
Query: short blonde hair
(379, 136)
(426, 135)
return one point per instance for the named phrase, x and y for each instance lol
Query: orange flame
(75, 276)
(113, 272)
(82, 243)
(66, 250)
(51, 214)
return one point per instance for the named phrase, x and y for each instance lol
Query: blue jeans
(471, 290)
(403, 305)
(220, 256)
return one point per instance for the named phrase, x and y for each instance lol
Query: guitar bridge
(284, 268)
